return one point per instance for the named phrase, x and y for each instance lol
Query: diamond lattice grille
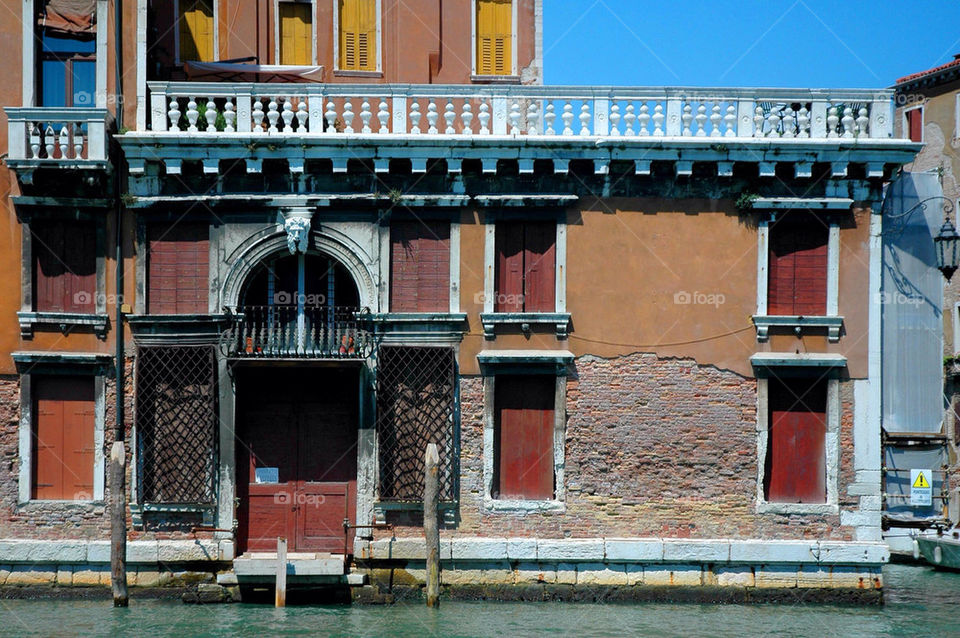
(176, 408)
(416, 405)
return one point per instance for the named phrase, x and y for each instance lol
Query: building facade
(642, 325)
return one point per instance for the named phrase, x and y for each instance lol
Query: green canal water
(919, 602)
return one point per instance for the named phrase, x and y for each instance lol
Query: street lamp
(947, 244)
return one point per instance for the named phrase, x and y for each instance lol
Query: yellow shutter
(494, 37)
(358, 35)
(196, 30)
(296, 33)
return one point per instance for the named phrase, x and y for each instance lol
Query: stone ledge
(637, 550)
(26, 551)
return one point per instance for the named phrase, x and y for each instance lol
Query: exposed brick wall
(654, 447)
(50, 521)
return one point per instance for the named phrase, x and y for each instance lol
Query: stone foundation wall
(654, 447)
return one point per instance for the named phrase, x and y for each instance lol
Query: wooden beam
(431, 529)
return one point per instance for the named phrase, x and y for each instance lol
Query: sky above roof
(795, 43)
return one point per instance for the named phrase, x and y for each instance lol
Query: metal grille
(176, 410)
(416, 405)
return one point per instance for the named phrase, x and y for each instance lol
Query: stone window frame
(29, 85)
(31, 364)
(826, 366)
(29, 316)
(905, 123)
(495, 363)
(339, 72)
(490, 319)
(514, 76)
(276, 28)
(832, 321)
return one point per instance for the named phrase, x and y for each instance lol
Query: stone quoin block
(776, 576)
(764, 552)
(673, 575)
(626, 550)
(479, 549)
(570, 550)
(696, 551)
(853, 553)
(601, 574)
(521, 549)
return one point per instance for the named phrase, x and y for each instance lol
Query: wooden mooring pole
(431, 528)
(280, 600)
(118, 525)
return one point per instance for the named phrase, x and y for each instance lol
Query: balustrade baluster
(331, 116)
(702, 120)
(229, 116)
(774, 120)
(192, 115)
(615, 119)
(848, 122)
(174, 114)
(415, 116)
(450, 116)
(863, 123)
(630, 120)
(567, 118)
(789, 123)
(64, 142)
(758, 122)
(365, 116)
(432, 117)
(466, 117)
(35, 139)
(803, 122)
(210, 115)
(77, 141)
(348, 116)
(49, 141)
(833, 120)
(287, 116)
(257, 115)
(303, 116)
(484, 117)
(730, 121)
(515, 118)
(585, 119)
(549, 118)
(273, 116)
(383, 114)
(533, 116)
(715, 118)
(658, 119)
(687, 119)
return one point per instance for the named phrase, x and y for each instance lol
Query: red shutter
(798, 268)
(915, 125)
(65, 262)
(63, 438)
(509, 292)
(540, 267)
(525, 414)
(796, 450)
(178, 269)
(420, 266)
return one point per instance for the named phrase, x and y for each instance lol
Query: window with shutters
(420, 266)
(913, 124)
(63, 438)
(196, 30)
(357, 35)
(524, 423)
(526, 267)
(797, 279)
(296, 32)
(795, 468)
(494, 37)
(64, 266)
(178, 258)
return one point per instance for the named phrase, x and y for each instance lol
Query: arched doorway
(297, 378)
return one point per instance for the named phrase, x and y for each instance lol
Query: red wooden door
(798, 267)
(796, 454)
(420, 266)
(540, 267)
(525, 415)
(299, 431)
(63, 438)
(178, 268)
(65, 260)
(509, 292)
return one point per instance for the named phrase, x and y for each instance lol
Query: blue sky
(801, 43)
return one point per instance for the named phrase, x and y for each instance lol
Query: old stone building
(642, 324)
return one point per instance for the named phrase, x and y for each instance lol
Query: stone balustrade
(519, 111)
(57, 135)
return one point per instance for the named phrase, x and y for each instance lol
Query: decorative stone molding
(833, 325)
(64, 320)
(296, 223)
(526, 321)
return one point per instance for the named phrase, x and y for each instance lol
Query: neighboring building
(642, 324)
(928, 111)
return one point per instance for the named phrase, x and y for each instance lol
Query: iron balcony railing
(54, 134)
(519, 111)
(282, 332)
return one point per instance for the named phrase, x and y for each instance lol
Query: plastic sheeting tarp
(69, 16)
(912, 315)
(239, 72)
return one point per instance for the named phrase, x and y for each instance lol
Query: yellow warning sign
(921, 480)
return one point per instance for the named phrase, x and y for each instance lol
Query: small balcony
(57, 137)
(289, 332)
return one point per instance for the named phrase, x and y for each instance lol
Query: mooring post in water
(431, 529)
(118, 525)
(281, 598)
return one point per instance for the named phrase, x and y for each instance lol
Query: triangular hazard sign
(921, 481)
